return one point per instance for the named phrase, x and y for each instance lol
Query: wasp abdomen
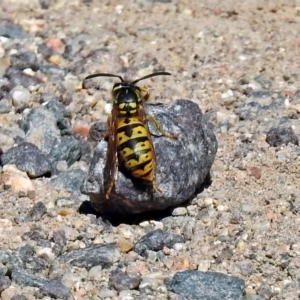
(135, 149)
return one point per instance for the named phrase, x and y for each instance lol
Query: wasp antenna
(104, 75)
(151, 75)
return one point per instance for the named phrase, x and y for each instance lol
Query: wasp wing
(112, 156)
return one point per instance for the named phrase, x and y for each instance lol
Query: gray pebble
(4, 283)
(25, 279)
(207, 285)
(60, 240)
(55, 289)
(155, 240)
(17, 77)
(70, 180)
(281, 135)
(5, 106)
(68, 150)
(28, 158)
(12, 31)
(103, 254)
(125, 281)
(24, 60)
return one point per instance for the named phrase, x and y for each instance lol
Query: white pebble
(45, 253)
(179, 211)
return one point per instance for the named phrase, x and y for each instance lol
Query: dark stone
(281, 135)
(56, 73)
(45, 51)
(68, 149)
(9, 260)
(28, 158)
(18, 297)
(17, 77)
(182, 165)
(40, 126)
(265, 291)
(249, 111)
(24, 60)
(70, 180)
(265, 82)
(35, 234)
(26, 279)
(253, 297)
(12, 31)
(155, 240)
(54, 289)
(37, 211)
(46, 97)
(36, 265)
(60, 240)
(98, 131)
(4, 283)
(60, 113)
(44, 4)
(207, 286)
(104, 255)
(26, 252)
(125, 281)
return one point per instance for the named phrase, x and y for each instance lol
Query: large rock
(182, 164)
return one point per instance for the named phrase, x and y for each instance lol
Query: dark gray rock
(249, 111)
(207, 286)
(18, 297)
(253, 297)
(9, 260)
(54, 72)
(44, 4)
(125, 281)
(68, 149)
(183, 165)
(265, 291)
(26, 252)
(104, 255)
(155, 240)
(24, 60)
(60, 112)
(4, 283)
(60, 240)
(36, 265)
(17, 77)
(70, 180)
(35, 234)
(34, 214)
(5, 106)
(54, 289)
(40, 126)
(37, 211)
(28, 158)
(281, 135)
(12, 31)
(25, 279)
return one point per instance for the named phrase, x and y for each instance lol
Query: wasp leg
(145, 90)
(152, 118)
(112, 180)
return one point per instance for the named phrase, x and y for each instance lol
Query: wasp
(129, 140)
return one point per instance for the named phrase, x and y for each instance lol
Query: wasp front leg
(157, 125)
(146, 91)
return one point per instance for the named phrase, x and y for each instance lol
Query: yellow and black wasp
(129, 141)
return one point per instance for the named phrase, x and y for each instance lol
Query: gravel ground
(239, 61)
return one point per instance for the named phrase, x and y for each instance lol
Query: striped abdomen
(134, 148)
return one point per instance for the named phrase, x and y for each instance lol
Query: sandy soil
(219, 52)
